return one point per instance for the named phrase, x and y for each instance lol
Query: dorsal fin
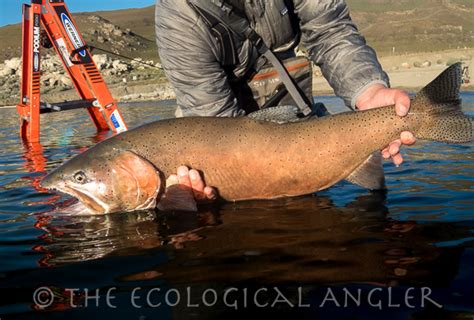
(278, 114)
(370, 173)
(285, 114)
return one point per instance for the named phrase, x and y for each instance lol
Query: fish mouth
(91, 202)
(94, 205)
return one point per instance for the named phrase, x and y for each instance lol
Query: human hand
(379, 96)
(193, 181)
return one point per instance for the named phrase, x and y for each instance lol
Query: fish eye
(80, 177)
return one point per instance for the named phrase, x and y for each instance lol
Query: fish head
(115, 181)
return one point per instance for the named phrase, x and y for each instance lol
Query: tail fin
(440, 107)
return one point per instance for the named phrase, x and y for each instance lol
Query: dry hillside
(405, 26)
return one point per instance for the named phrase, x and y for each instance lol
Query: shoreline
(400, 68)
(140, 103)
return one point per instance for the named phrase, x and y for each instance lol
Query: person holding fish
(244, 153)
(217, 69)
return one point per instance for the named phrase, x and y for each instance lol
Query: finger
(197, 184)
(210, 193)
(394, 147)
(402, 103)
(385, 153)
(172, 180)
(196, 180)
(183, 176)
(397, 159)
(407, 137)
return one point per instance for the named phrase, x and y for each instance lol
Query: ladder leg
(78, 62)
(29, 106)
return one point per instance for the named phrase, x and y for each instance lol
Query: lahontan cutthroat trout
(247, 158)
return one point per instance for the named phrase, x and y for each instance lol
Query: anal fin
(370, 173)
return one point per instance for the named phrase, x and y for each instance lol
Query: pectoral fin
(370, 173)
(177, 197)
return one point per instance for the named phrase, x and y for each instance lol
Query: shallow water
(345, 239)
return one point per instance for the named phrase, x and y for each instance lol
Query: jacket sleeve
(188, 56)
(336, 46)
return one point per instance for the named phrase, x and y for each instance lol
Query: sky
(10, 10)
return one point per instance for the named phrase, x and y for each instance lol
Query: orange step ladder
(53, 17)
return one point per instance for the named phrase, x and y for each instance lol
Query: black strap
(238, 23)
(288, 81)
(224, 36)
(262, 48)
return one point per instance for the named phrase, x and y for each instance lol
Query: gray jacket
(191, 57)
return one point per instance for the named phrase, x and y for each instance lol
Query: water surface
(419, 234)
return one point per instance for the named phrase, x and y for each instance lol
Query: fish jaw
(93, 204)
(89, 200)
(75, 209)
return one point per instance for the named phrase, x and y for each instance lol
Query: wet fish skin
(249, 159)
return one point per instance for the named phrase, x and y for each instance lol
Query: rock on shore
(55, 83)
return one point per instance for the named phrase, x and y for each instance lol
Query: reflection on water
(306, 239)
(418, 234)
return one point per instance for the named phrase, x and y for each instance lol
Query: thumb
(402, 103)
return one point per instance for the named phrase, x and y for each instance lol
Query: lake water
(302, 257)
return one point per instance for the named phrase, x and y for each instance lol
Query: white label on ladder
(73, 34)
(63, 49)
(117, 121)
(36, 43)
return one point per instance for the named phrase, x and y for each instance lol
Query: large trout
(245, 158)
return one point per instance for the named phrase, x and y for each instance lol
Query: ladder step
(64, 106)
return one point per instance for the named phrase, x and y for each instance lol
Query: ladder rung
(64, 106)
